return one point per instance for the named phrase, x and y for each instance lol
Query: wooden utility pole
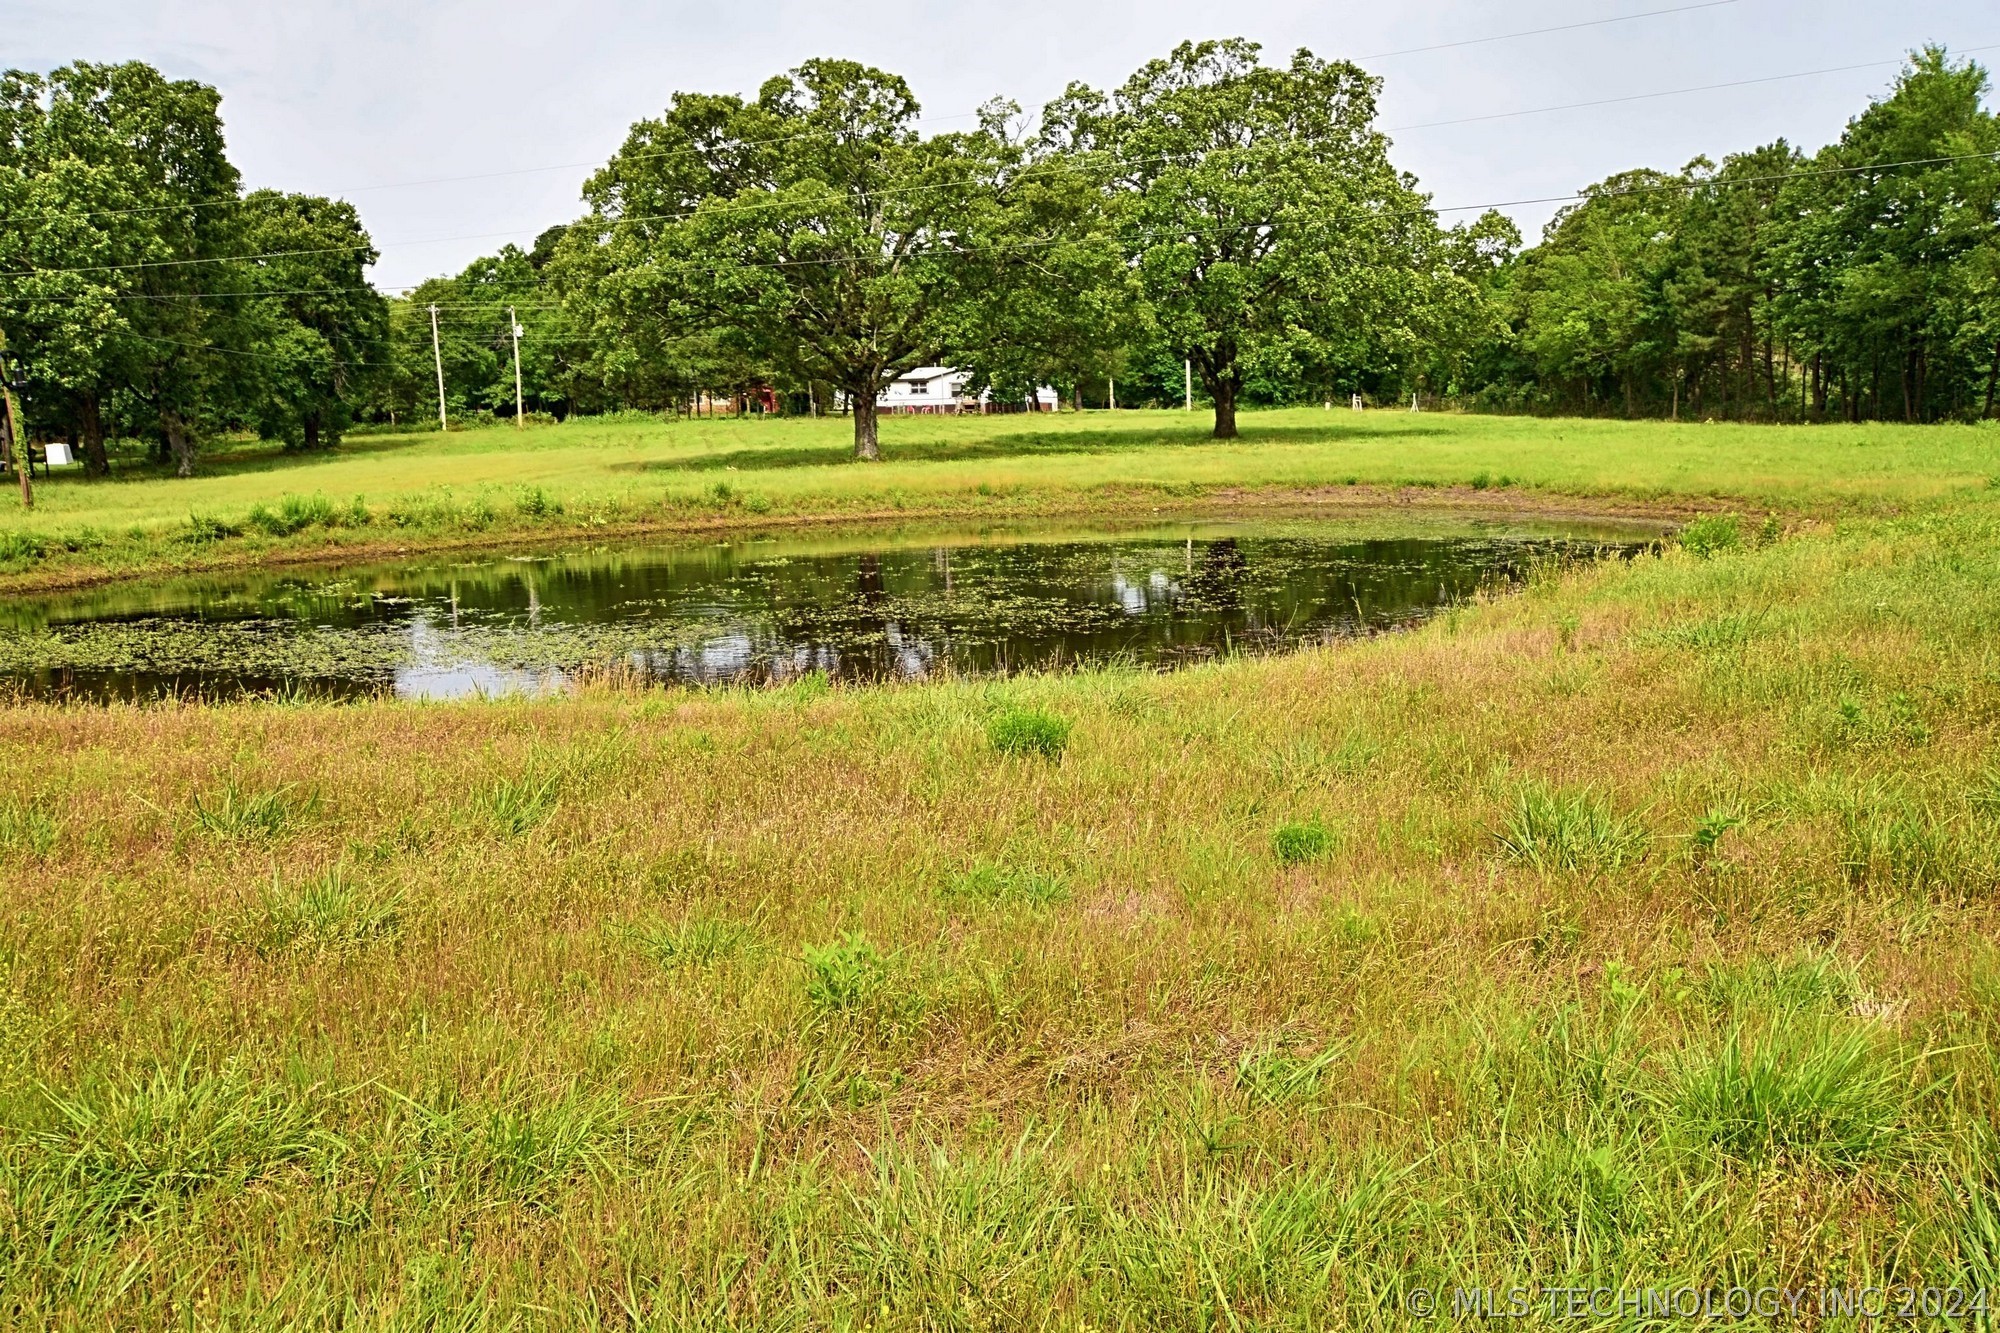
(17, 443)
(437, 358)
(519, 419)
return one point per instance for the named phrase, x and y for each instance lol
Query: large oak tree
(1261, 215)
(813, 229)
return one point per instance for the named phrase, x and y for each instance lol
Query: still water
(861, 607)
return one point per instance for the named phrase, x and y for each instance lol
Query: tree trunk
(1992, 377)
(867, 445)
(178, 441)
(312, 430)
(1674, 413)
(95, 461)
(1225, 408)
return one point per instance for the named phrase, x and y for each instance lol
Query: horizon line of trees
(1213, 214)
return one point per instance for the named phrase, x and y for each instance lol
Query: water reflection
(752, 611)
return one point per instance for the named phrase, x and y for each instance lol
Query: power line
(1671, 92)
(1537, 32)
(1579, 196)
(224, 201)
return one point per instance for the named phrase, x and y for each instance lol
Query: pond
(861, 606)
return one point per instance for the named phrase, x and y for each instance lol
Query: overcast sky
(376, 99)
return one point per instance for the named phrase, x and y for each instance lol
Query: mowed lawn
(648, 470)
(1635, 931)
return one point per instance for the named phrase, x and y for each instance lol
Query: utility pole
(519, 420)
(437, 358)
(12, 378)
(1189, 367)
(1113, 382)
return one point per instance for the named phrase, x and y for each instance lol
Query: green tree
(1886, 274)
(813, 230)
(116, 188)
(320, 331)
(1266, 227)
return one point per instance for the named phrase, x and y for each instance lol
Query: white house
(941, 390)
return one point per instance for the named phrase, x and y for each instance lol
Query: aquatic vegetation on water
(749, 613)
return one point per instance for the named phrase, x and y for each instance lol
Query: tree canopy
(805, 247)
(1270, 235)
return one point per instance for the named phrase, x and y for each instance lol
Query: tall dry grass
(1644, 937)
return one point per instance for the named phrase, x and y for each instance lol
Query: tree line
(1214, 218)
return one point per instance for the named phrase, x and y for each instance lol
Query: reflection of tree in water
(868, 579)
(1217, 580)
(702, 616)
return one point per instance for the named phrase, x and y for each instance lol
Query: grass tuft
(1295, 844)
(1815, 1092)
(1023, 731)
(328, 912)
(1577, 831)
(236, 814)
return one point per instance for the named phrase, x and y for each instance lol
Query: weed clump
(1295, 844)
(1711, 534)
(204, 528)
(296, 513)
(125, 1148)
(513, 806)
(1554, 831)
(534, 502)
(1026, 731)
(845, 975)
(1273, 1076)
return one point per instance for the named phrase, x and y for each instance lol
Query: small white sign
(58, 454)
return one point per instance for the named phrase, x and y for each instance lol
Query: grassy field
(597, 477)
(1633, 931)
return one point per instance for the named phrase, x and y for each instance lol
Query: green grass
(384, 492)
(1636, 929)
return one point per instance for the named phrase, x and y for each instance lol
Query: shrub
(534, 502)
(1569, 831)
(1028, 732)
(1296, 844)
(1711, 534)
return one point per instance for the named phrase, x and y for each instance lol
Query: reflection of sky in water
(437, 671)
(755, 611)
